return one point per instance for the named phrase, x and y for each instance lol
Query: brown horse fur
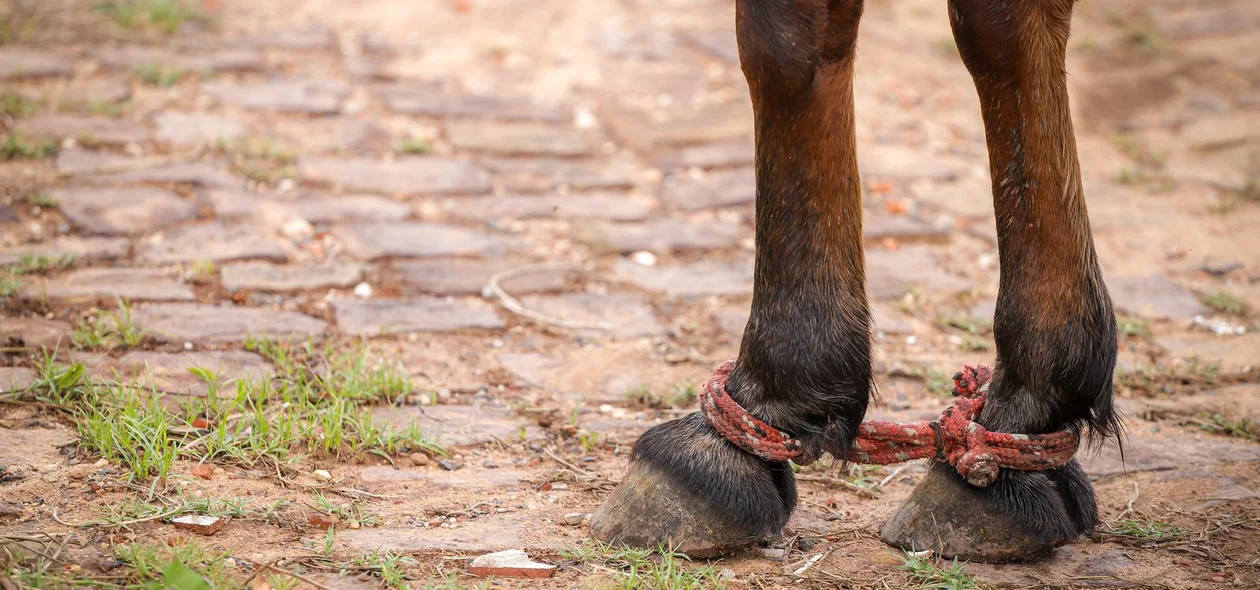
(804, 363)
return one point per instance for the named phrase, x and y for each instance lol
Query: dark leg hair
(1054, 326)
(804, 363)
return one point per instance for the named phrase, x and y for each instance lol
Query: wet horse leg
(804, 363)
(1054, 326)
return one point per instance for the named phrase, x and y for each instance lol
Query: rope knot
(977, 454)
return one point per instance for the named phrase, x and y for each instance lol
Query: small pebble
(418, 459)
(643, 258)
(490, 465)
(450, 465)
(773, 552)
(322, 474)
(363, 290)
(574, 518)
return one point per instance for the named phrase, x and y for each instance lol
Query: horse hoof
(1021, 516)
(688, 490)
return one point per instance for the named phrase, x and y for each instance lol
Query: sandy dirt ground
(353, 173)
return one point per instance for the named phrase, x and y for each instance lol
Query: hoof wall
(650, 512)
(956, 520)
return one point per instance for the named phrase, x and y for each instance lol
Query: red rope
(956, 437)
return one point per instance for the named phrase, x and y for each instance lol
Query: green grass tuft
(165, 16)
(411, 145)
(159, 75)
(30, 264)
(635, 569)
(1227, 303)
(1147, 530)
(924, 573)
(16, 147)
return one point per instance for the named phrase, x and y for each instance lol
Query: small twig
(861, 491)
(567, 464)
(514, 305)
(895, 473)
(810, 563)
(282, 571)
(92, 523)
(351, 492)
(1128, 506)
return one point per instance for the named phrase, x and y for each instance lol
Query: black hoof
(690, 490)
(1021, 516)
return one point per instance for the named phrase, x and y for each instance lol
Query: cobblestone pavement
(308, 171)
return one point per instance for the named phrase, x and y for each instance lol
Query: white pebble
(297, 229)
(322, 474)
(643, 258)
(363, 290)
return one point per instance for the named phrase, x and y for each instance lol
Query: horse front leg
(804, 364)
(1054, 327)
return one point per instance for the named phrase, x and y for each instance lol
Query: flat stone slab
(105, 167)
(215, 242)
(317, 208)
(82, 249)
(901, 228)
(897, 162)
(660, 235)
(199, 174)
(1154, 296)
(729, 153)
(130, 57)
(36, 332)
(430, 101)
(518, 138)
(369, 241)
(544, 174)
(1178, 450)
(469, 277)
(412, 175)
(83, 128)
(291, 96)
(138, 284)
(98, 92)
(264, 276)
(707, 277)
(460, 426)
(116, 211)
(20, 62)
(196, 322)
(890, 274)
(179, 128)
(167, 371)
(16, 378)
(627, 315)
(317, 38)
(480, 535)
(681, 125)
(716, 189)
(331, 134)
(584, 206)
(374, 317)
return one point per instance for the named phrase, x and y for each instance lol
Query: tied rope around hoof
(956, 437)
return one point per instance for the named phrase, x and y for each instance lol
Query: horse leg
(804, 363)
(1054, 326)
